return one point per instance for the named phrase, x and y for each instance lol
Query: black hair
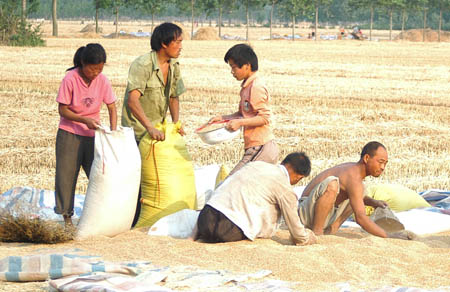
(299, 162)
(370, 148)
(164, 33)
(89, 54)
(242, 54)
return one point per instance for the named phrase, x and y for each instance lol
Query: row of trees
(290, 8)
(403, 6)
(293, 10)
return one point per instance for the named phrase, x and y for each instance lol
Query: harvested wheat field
(329, 99)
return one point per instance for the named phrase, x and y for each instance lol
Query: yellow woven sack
(221, 175)
(167, 176)
(398, 197)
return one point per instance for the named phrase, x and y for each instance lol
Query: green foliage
(209, 6)
(13, 31)
(295, 7)
(440, 4)
(149, 6)
(229, 5)
(27, 36)
(103, 4)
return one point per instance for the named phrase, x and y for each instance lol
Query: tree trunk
(371, 22)
(403, 20)
(24, 11)
(54, 19)
(440, 25)
(246, 12)
(424, 23)
(293, 27)
(220, 21)
(153, 21)
(271, 18)
(390, 24)
(96, 19)
(317, 22)
(117, 20)
(192, 18)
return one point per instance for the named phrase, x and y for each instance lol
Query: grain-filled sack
(113, 186)
(398, 197)
(167, 176)
(221, 175)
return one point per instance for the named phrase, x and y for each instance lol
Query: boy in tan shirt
(254, 113)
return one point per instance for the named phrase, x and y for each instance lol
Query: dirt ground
(365, 262)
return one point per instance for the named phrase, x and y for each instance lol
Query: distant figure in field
(341, 33)
(80, 97)
(357, 33)
(249, 203)
(334, 194)
(254, 113)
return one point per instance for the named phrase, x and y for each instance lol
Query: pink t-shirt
(83, 100)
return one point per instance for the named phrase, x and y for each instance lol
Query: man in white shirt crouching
(248, 204)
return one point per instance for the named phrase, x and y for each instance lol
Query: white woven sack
(113, 186)
(205, 180)
(178, 225)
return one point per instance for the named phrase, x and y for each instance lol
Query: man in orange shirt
(254, 112)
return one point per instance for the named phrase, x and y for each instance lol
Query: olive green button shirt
(146, 77)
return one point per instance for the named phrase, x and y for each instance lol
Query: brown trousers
(267, 153)
(72, 153)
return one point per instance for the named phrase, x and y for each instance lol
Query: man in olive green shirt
(154, 84)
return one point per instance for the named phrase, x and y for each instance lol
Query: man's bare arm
(355, 191)
(174, 107)
(368, 201)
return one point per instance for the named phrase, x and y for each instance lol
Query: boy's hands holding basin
(233, 125)
(215, 119)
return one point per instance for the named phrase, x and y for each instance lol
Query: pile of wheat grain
(417, 35)
(206, 34)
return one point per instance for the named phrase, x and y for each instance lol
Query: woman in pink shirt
(80, 97)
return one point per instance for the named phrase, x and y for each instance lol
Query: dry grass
(329, 99)
(23, 227)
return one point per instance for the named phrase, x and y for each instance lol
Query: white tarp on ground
(423, 222)
(419, 221)
(36, 202)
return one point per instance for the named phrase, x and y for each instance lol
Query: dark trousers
(213, 227)
(138, 208)
(72, 153)
(138, 203)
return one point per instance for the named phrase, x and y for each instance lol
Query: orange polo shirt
(255, 102)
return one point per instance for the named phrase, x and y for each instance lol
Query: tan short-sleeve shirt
(255, 101)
